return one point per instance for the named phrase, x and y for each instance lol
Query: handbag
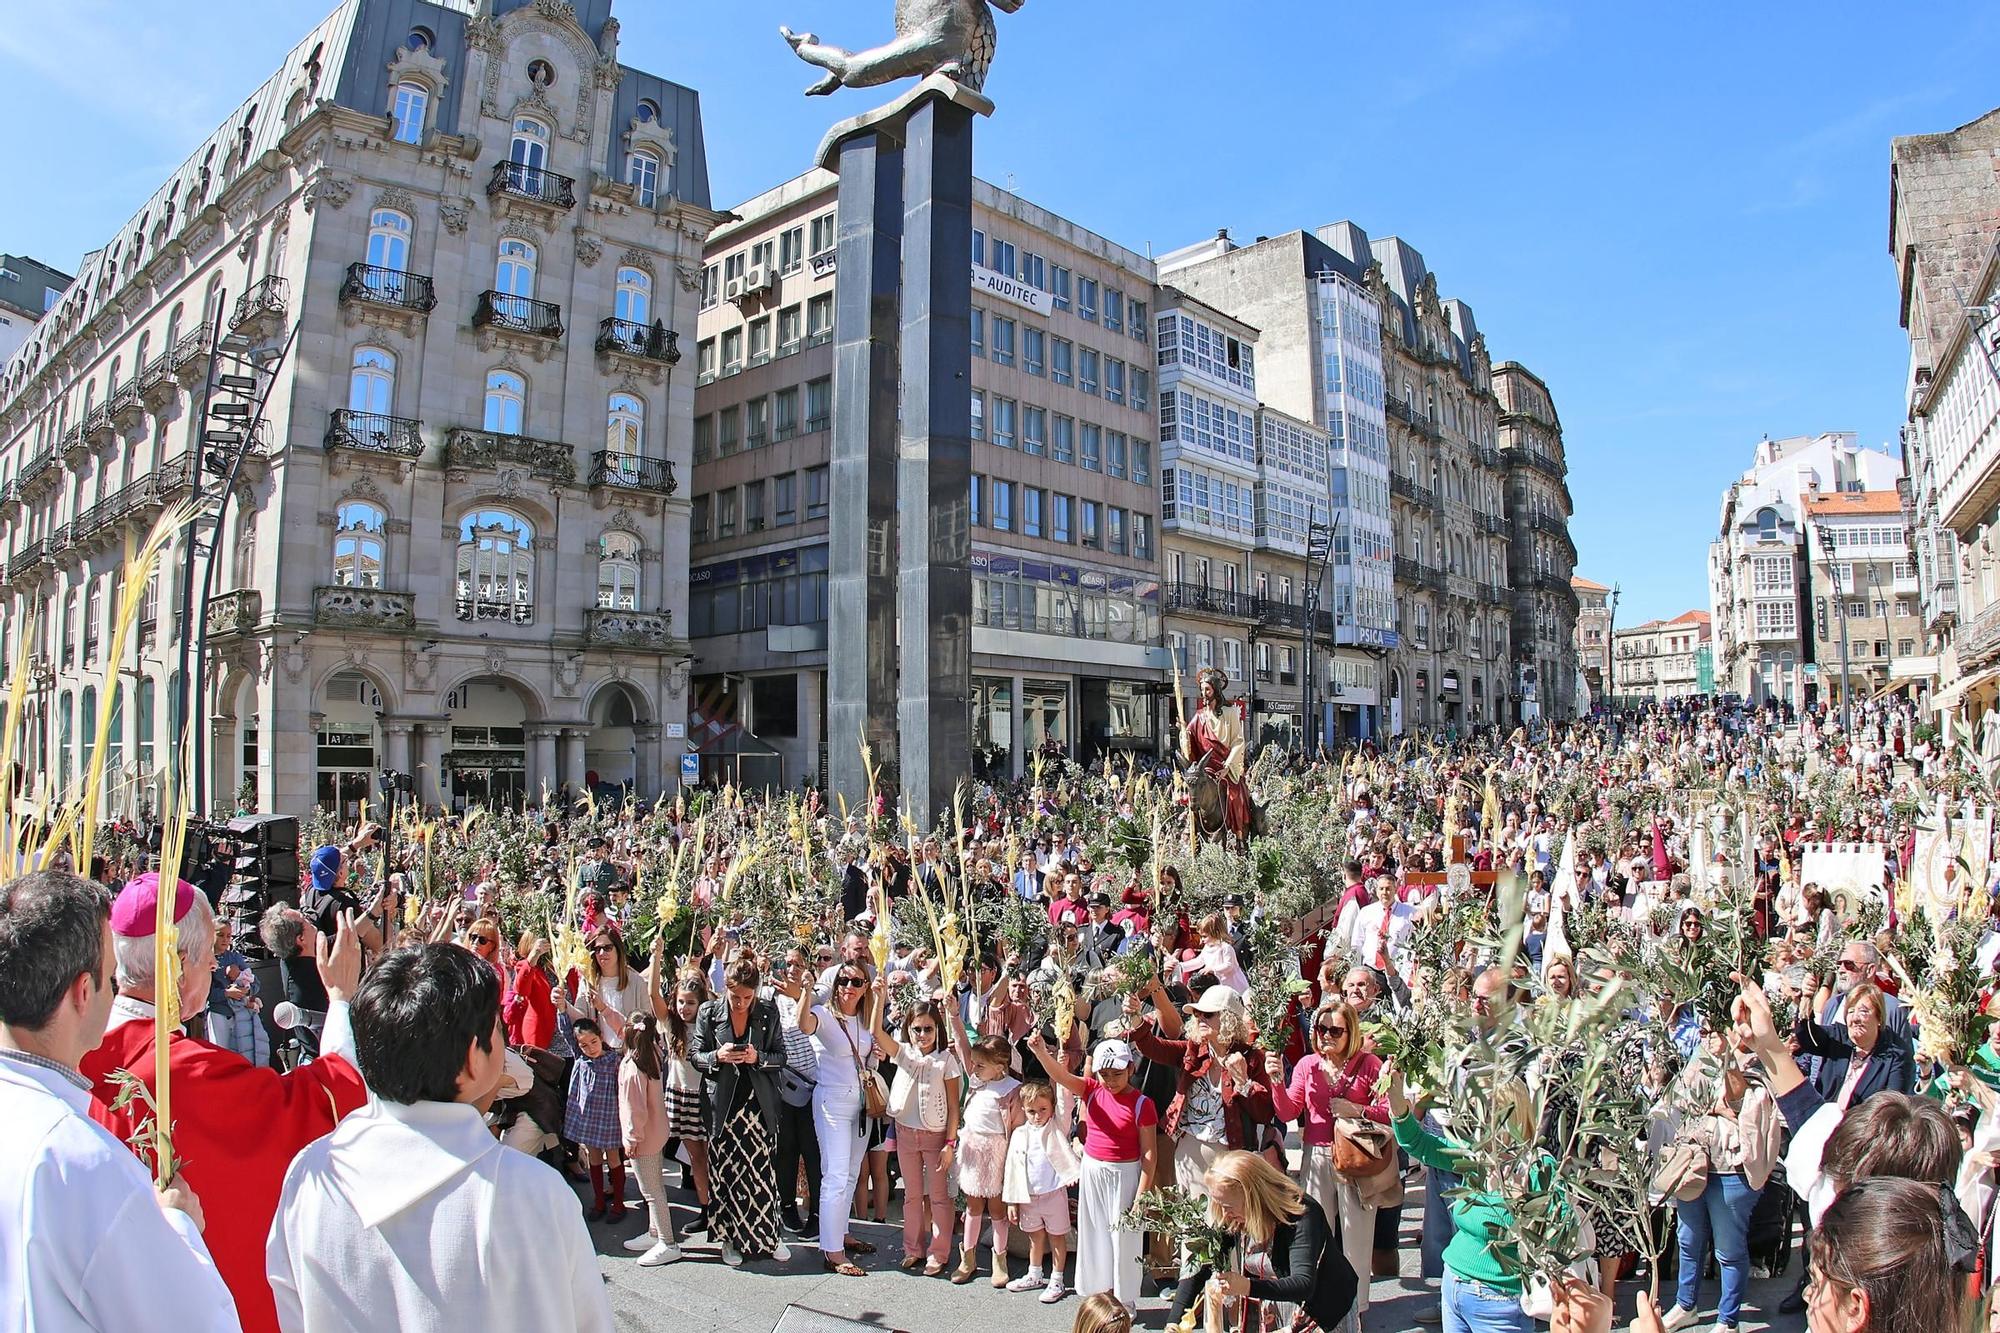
(874, 1089)
(1683, 1175)
(1361, 1147)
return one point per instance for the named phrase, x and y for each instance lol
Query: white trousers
(1106, 1260)
(842, 1146)
(1340, 1199)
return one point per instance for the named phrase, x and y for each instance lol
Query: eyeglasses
(924, 1031)
(1849, 965)
(482, 939)
(1326, 1031)
(604, 948)
(851, 983)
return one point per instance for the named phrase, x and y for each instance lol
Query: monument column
(934, 469)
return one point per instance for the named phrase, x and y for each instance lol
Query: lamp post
(1319, 551)
(1611, 650)
(1840, 600)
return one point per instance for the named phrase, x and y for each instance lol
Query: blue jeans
(1474, 1307)
(1721, 1215)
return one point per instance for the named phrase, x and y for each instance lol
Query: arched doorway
(486, 759)
(611, 750)
(349, 743)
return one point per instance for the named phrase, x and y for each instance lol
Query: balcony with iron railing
(391, 288)
(374, 433)
(648, 342)
(1399, 410)
(126, 405)
(1271, 611)
(551, 460)
(1488, 456)
(517, 314)
(27, 559)
(536, 185)
(265, 299)
(477, 608)
(1548, 523)
(1547, 464)
(631, 473)
(1210, 601)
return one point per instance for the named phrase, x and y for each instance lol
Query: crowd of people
(1566, 1005)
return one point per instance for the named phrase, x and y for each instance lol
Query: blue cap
(325, 867)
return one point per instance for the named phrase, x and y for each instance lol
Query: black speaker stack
(265, 872)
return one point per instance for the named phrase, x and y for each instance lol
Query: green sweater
(1478, 1221)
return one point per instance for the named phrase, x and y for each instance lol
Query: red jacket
(236, 1128)
(530, 1011)
(1243, 1110)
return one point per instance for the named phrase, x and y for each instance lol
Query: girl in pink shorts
(1041, 1167)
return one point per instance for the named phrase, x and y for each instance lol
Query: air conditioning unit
(732, 290)
(760, 278)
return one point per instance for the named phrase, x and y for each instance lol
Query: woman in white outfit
(842, 1047)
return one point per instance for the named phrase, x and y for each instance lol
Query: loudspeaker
(271, 833)
(798, 1319)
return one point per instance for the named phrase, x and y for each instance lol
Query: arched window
(635, 296)
(495, 576)
(139, 361)
(72, 617)
(174, 326)
(642, 173)
(86, 726)
(618, 571)
(143, 737)
(65, 740)
(389, 240)
(529, 154)
(506, 402)
(371, 383)
(209, 296)
(514, 279)
(357, 545)
(1767, 525)
(624, 433)
(406, 111)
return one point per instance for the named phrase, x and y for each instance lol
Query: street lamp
(1610, 650)
(1319, 553)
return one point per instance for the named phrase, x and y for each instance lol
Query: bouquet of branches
(1183, 1218)
(1417, 1039)
(1132, 973)
(1275, 987)
(1947, 1009)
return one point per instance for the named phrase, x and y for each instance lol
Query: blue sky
(1676, 214)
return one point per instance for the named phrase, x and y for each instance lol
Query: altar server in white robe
(411, 1215)
(86, 1242)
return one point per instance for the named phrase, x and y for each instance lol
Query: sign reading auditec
(1009, 289)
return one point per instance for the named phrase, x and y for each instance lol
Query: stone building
(1944, 233)
(457, 548)
(1065, 499)
(1659, 660)
(1354, 337)
(1595, 611)
(1541, 555)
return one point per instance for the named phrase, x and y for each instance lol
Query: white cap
(1112, 1054)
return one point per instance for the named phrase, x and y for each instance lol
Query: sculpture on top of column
(955, 38)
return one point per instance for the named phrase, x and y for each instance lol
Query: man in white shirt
(410, 1214)
(85, 1240)
(1381, 931)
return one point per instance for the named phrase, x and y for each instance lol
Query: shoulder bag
(1361, 1147)
(874, 1090)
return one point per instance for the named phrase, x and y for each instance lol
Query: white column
(1015, 727)
(430, 764)
(542, 762)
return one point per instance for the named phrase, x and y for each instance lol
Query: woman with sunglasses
(610, 991)
(1340, 1079)
(482, 937)
(843, 1046)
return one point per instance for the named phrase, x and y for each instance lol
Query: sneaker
(1678, 1317)
(1029, 1281)
(731, 1257)
(662, 1253)
(782, 1254)
(642, 1242)
(1056, 1290)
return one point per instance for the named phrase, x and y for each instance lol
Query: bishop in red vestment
(237, 1126)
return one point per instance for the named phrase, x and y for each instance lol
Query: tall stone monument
(900, 549)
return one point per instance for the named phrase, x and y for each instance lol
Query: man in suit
(854, 882)
(1098, 938)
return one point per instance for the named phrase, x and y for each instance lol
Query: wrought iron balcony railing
(374, 433)
(632, 473)
(538, 185)
(550, 459)
(265, 297)
(1213, 601)
(653, 342)
(375, 285)
(517, 314)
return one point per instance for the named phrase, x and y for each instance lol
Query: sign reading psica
(1009, 289)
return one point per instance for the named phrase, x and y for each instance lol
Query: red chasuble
(237, 1127)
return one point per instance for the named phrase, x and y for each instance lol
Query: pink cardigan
(642, 1111)
(1314, 1086)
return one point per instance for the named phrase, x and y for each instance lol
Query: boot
(597, 1187)
(1385, 1263)
(616, 1213)
(968, 1266)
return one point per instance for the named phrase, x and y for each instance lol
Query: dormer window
(420, 39)
(648, 111)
